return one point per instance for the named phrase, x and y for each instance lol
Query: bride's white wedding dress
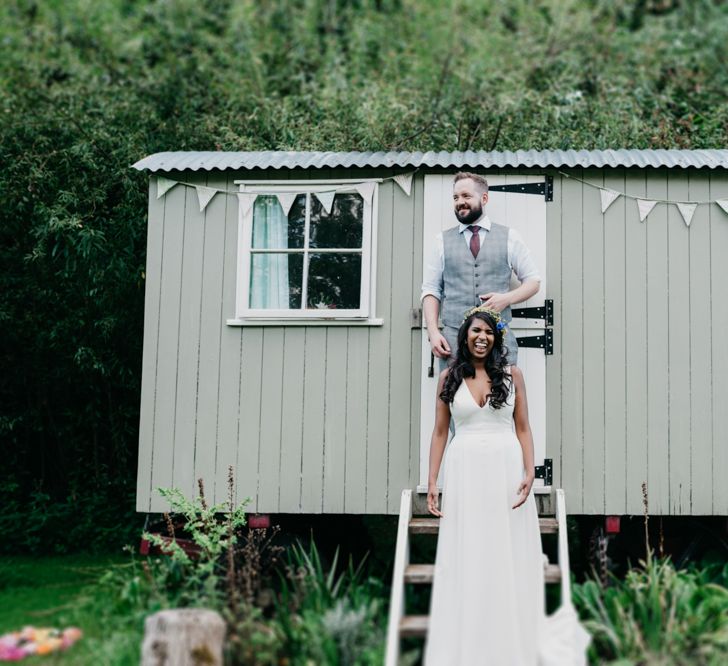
(487, 603)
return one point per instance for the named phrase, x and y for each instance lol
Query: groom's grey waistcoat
(465, 278)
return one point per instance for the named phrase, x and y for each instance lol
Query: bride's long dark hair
(495, 364)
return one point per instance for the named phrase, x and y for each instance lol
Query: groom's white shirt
(519, 258)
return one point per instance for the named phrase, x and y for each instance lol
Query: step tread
(424, 573)
(424, 525)
(413, 625)
(552, 573)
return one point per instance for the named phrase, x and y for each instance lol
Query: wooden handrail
(401, 560)
(563, 547)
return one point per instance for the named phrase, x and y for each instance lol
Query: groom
(471, 264)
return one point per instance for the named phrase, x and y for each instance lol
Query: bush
(657, 615)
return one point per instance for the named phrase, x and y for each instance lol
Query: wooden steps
(551, 573)
(413, 626)
(423, 525)
(411, 521)
(423, 574)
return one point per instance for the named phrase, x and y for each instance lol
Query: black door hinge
(545, 341)
(545, 189)
(546, 471)
(545, 312)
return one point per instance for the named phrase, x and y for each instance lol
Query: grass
(56, 592)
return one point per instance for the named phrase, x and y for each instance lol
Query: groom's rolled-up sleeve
(432, 271)
(520, 259)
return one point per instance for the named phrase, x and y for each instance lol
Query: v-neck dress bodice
(470, 417)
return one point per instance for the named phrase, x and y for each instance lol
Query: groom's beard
(466, 216)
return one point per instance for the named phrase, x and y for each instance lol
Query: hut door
(527, 214)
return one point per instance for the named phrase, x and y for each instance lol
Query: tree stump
(183, 637)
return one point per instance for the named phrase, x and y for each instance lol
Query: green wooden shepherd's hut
(283, 331)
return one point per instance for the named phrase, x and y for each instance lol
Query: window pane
(343, 227)
(275, 281)
(334, 281)
(272, 229)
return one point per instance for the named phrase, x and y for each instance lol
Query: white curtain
(269, 272)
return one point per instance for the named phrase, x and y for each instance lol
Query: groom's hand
(495, 301)
(439, 345)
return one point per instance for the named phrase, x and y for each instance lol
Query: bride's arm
(437, 446)
(523, 432)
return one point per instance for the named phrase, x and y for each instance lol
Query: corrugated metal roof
(207, 161)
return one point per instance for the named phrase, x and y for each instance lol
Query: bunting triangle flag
(326, 199)
(164, 185)
(365, 190)
(608, 198)
(687, 210)
(204, 195)
(246, 199)
(404, 180)
(286, 199)
(723, 203)
(645, 207)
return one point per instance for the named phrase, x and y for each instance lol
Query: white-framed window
(305, 251)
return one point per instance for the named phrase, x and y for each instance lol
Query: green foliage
(321, 616)
(88, 87)
(658, 615)
(199, 578)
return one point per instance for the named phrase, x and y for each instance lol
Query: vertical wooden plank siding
(155, 254)
(613, 392)
(379, 363)
(417, 201)
(188, 350)
(657, 385)
(554, 369)
(294, 356)
(678, 335)
(719, 377)
(271, 417)
(635, 331)
(209, 352)
(594, 258)
(334, 442)
(167, 346)
(314, 387)
(229, 362)
(357, 410)
(697, 321)
(250, 379)
(572, 334)
(400, 347)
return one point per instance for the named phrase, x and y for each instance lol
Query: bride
(487, 603)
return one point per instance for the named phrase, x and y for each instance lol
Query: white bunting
(723, 203)
(687, 210)
(326, 199)
(286, 199)
(366, 190)
(645, 207)
(204, 195)
(164, 185)
(608, 198)
(404, 180)
(246, 199)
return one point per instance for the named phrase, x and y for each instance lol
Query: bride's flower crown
(499, 323)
